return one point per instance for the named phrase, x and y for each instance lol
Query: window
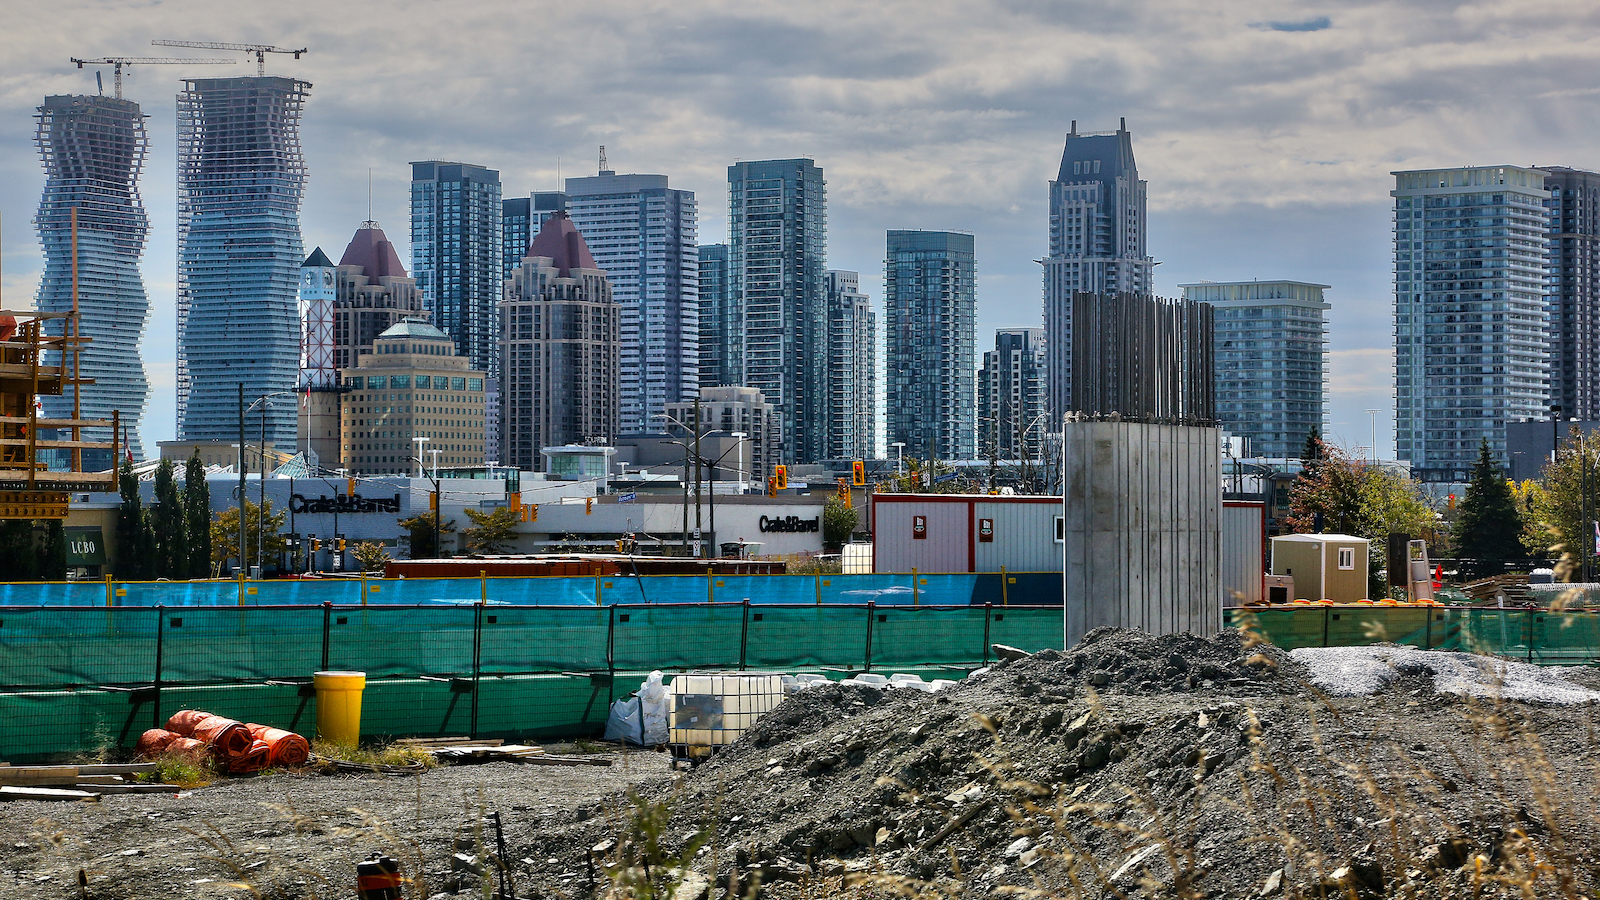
(1061, 529)
(1347, 557)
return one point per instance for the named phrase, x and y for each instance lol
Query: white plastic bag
(623, 723)
(654, 705)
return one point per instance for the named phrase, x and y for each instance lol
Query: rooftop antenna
(369, 197)
(604, 169)
(117, 62)
(260, 50)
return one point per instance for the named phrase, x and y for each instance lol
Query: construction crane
(260, 50)
(117, 62)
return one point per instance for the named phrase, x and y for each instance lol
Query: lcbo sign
(789, 524)
(340, 503)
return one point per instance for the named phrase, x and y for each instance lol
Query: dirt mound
(1204, 766)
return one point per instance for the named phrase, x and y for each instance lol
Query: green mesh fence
(201, 644)
(1030, 629)
(927, 635)
(800, 636)
(677, 637)
(1532, 635)
(388, 640)
(64, 646)
(519, 639)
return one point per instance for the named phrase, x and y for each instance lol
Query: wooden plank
(14, 774)
(12, 792)
(131, 788)
(143, 768)
(565, 760)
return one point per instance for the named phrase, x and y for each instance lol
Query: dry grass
(395, 754)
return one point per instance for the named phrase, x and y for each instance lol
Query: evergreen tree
(1488, 527)
(170, 526)
(1314, 451)
(197, 515)
(53, 555)
(19, 550)
(133, 543)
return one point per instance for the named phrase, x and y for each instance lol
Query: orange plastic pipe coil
(288, 748)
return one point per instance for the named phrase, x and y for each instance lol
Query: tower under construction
(93, 148)
(241, 175)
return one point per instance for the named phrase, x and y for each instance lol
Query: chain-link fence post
(161, 630)
(988, 610)
(327, 622)
(744, 633)
(477, 656)
(872, 608)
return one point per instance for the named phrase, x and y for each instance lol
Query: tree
(492, 531)
(370, 556)
(225, 533)
(197, 515)
(838, 523)
(19, 547)
(1529, 498)
(1345, 495)
(53, 552)
(1563, 509)
(1488, 528)
(135, 538)
(422, 538)
(170, 525)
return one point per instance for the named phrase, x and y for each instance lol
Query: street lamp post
(435, 454)
(422, 471)
(264, 401)
(899, 448)
(1374, 414)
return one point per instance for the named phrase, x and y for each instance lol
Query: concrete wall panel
(1143, 518)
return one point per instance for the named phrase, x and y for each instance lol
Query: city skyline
(1272, 169)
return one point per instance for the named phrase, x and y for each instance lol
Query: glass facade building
(1572, 291)
(241, 176)
(1270, 358)
(1097, 240)
(719, 332)
(456, 254)
(778, 242)
(645, 236)
(930, 317)
(1471, 342)
(1011, 419)
(93, 148)
(852, 368)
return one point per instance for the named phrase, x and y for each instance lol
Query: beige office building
(412, 398)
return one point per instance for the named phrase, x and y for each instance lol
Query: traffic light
(1452, 501)
(532, 512)
(772, 486)
(316, 545)
(349, 487)
(858, 473)
(781, 473)
(339, 545)
(844, 493)
(588, 505)
(514, 501)
(433, 503)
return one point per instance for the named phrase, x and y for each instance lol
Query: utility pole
(697, 474)
(241, 478)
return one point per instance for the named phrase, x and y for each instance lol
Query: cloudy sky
(1265, 128)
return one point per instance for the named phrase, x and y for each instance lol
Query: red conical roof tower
(370, 249)
(563, 244)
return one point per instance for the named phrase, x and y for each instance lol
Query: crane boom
(260, 50)
(117, 62)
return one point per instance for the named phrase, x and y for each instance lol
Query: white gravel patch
(1363, 671)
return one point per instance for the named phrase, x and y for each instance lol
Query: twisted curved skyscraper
(93, 148)
(241, 175)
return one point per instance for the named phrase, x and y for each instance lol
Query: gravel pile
(1363, 671)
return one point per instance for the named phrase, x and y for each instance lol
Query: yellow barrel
(339, 706)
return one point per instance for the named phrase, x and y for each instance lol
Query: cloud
(1267, 152)
(1317, 24)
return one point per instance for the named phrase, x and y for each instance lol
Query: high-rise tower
(852, 370)
(720, 335)
(644, 235)
(240, 179)
(1270, 357)
(560, 331)
(1572, 291)
(778, 239)
(1097, 240)
(930, 316)
(1011, 420)
(93, 148)
(455, 253)
(1471, 343)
